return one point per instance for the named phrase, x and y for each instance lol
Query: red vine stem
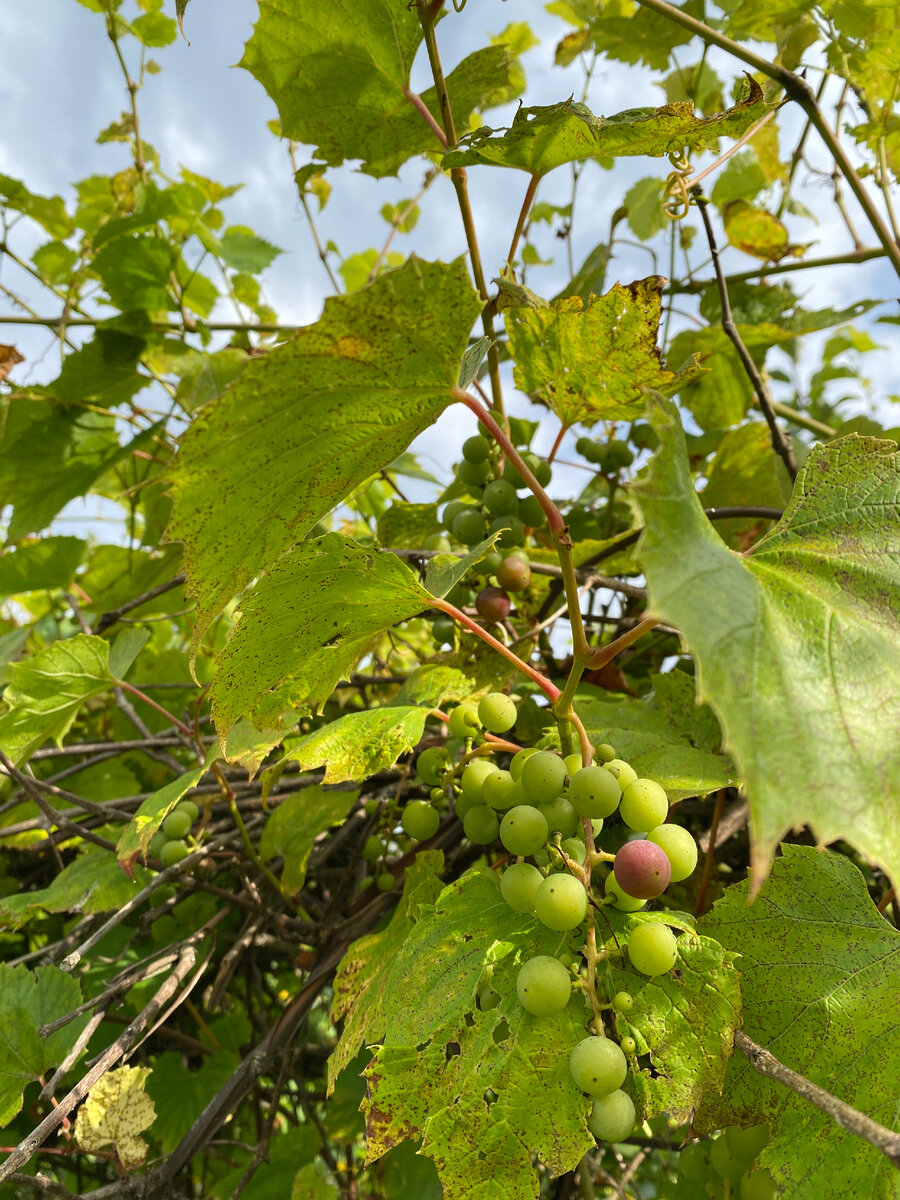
(179, 725)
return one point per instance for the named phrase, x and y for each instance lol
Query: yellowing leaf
(116, 1110)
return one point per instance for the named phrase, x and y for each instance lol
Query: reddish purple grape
(493, 604)
(514, 573)
(642, 869)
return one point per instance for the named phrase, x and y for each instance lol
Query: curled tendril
(459, 5)
(677, 197)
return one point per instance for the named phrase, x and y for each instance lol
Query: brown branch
(849, 1118)
(107, 619)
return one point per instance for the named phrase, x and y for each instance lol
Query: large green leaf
(441, 1052)
(48, 563)
(296, 823)
(93, 883)
(797, 642)
(745, 470)
(180, 1095)
(820, 975)
(665, 737)
(591, 360)
(547, 136)
(359, 744)
(310, 421)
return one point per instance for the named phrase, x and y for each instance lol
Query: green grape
(512, 476)
(543, 776)
(594, 792)
(604, 752)
(543, 986)
(523, 830)
(574, 848)
(497, 712)
(499, 791)
(373, 849)
(561, 816)
(473, 473)
(420, 820)
(724, 1162)
(385, 882)
(366, 883)
(473, 777)
(443, 631)
(518, 886)
(464, 721)
(431, 764)
(745, 1144)
(437, 541)
(617, 456)
(679, 846)
(644, 805)
(511, 530)
(157, 842)
(177, 824)
(489, 564)
(598, 1066)
(581, 446)
(573, 763)
(561, 902)
(612, 1118)
(623, 1002)
(620, 898)
(519, 760)
(189, 807)
(758, 1186)
(476, 448)
(514, 574)
(437, 795)
(652, 949)
(644, 436)
(531, 513)
(371, 807)
(481, 825)
(172, 853)
(452, 511)
(628, 1044)
(463, 804)
(488, 999)
(623, 771)
(469, 527)
(540, 468)
(500, 498)
(693, 1162)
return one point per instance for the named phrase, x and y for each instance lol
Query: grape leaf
(311, 420)
(93, 883)
(48, 563)
(360, 743)
(296, 823)
(796, 643)
(432, 684)
(135, 271)
(30, 1000)
(589, 360)
(407, 524)
(820, 975)
(665, 737)
(116, 1110)
(547, 136)
(135, 837)
(181, 1095)
(745, 470)
(442, 1056)
(48, 211)
(242, 250)
(364, 975)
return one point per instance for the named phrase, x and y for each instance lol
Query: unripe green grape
(543, 776)
(531, 513)
(371, 807)
(420, 820)
(598, 1066)
(561, 816)
(472, 472)
(476, 448)
(519, 760)
(604, 753)
(452, 511)
(366, 882)
(573, 763)
(518, 886)
(489, 564)
(432, 763)
(523, 830)
(561, 902)
(644, 436)
(543, 986)
(574, 848)
(481, 825)
(594, 450)
(177, 825)
(189, 807)
(473, 777)
(497, 712)
(745, 1144)
(652, 949)
(628, 1044)
(758, 1186)
(464, 721)
(511, 530)
(463, 804)
(514, 573)
(594, 792)
(612, 1118)
(385, 882)
(644, 805)
(620, 898)
(617, 456)
(623, 1002)
(157, 842)
(373, 849)
(172, 853)
(623, 771)
(437, 542)
(500, 498)
(693, 1162)
(512, 476)
(499, 791)
(724, 1162)
(540, 468)
(679, 846)
(488, 999)
(581, 446)
(469, 527)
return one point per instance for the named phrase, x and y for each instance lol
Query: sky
(61, 84)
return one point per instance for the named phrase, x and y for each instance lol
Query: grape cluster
(724, 1165)
(546, 811)
(168, 843)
